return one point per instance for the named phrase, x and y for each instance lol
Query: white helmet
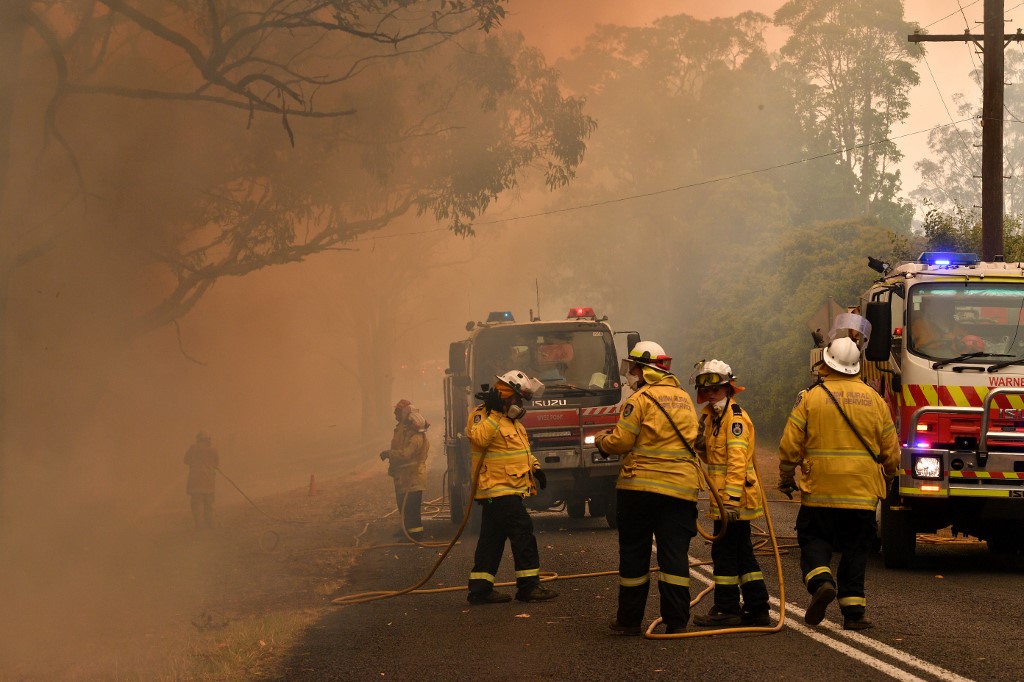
(523, 385)
(650, 354)
(842, 355)
(708, 373)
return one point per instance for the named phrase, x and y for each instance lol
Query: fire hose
(363, 597)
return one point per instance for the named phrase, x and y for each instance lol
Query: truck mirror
(457, 358)
(632, 339)
(879, 314)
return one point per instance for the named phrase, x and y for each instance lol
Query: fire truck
(947, 354)
(576, 360)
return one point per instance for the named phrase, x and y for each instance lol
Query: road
(956, 616)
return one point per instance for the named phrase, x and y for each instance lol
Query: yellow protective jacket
(729, 453)
(836, 469)
(655, 459)
(408, 458)
(508, 464)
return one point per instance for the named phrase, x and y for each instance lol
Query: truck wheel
(1002, 543)
(598, 506)
(577, 507)
(899, 539)
(609, 514)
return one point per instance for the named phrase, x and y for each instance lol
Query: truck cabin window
(949, 320)
(562, 359)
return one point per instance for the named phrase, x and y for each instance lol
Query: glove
(787, 485)
(384, 454)
(732, 510)
(492, 401)
(541, 478)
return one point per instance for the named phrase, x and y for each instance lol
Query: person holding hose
(726, 443)
(507, 472)
(407, 464)
(656, 492)
(842, 438)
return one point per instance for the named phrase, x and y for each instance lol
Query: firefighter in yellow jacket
(507, 472)
(725, 442)
(842, 437)
(656, 493)
(407, 464)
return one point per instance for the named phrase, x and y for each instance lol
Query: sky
(557, 27)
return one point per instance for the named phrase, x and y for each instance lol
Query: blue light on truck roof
(948, 258)
(500, 316)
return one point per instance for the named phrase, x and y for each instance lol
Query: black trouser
(736, 570)
(851, 532)
(413, 501)
(504, 518)
(673, 522)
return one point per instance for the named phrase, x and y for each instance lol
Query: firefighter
(407, 464)
(726, 443)
(507, 473)
(202, 461)
(656, 492)
(842, 437)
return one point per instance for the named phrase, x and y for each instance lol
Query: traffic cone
(312, 485)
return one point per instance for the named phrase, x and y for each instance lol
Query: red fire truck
(576, 360)
(947, 353)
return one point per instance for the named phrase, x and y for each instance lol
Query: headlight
(928, 467)
(589, 440)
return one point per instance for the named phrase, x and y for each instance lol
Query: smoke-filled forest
(268, 219)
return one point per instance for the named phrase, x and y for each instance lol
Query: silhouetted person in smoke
(202, 461)
(407, 464)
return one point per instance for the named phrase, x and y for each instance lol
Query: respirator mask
(515, 411)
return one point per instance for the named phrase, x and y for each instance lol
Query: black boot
(489, 597)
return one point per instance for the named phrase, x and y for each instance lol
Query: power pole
(992, 41)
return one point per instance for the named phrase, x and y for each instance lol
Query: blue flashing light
(500, 316)
(923, 445)
(946, 258)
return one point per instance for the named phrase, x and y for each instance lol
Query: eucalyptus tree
(852, 69)
(166, 145)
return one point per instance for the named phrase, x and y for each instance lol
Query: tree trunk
(12, 34)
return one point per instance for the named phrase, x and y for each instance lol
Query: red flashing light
(580, 313)
(898, 331)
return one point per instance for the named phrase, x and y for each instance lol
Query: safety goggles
(710, 379)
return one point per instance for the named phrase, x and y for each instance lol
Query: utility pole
(992, 41)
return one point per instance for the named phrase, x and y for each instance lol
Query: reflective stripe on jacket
(655, 459)
(729, 454)
(836, 469)
(508, 463)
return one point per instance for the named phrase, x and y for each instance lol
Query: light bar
(580, 313)
(948, 258)
(500, 316)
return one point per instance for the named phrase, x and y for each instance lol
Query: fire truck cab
(947, 354)
(576, 360)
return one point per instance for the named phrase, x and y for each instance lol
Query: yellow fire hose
(363, 597)
(650, 634)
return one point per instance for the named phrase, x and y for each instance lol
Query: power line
(699, 183)
(959, 11)
(969, 148)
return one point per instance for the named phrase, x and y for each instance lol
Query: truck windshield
(949, 320)
(566, 357)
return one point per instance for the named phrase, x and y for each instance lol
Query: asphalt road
(956, 616)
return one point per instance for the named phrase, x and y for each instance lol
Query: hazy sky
(557, 27)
